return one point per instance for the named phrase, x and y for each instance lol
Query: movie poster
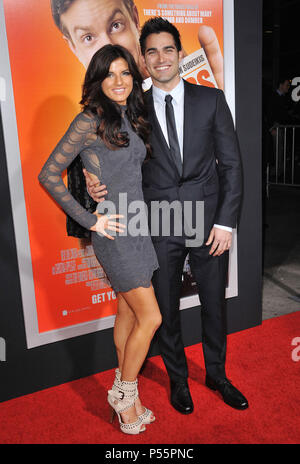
(44, 54)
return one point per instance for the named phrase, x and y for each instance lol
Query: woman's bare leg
(124, 323)
(143, 304)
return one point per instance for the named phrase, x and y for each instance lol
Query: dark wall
(246, 310)
(26, 371)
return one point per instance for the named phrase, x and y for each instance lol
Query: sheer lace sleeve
(80, 135)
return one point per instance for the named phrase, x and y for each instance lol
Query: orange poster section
(187, 16)
(70, 286)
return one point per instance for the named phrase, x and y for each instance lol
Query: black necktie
(172, 133)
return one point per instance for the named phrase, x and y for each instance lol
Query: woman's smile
(119, 83)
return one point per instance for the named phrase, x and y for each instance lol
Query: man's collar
(159, 94)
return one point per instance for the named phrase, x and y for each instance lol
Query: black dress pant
(210, 274)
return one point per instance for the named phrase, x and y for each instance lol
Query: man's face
(91, 24)
(162, 60)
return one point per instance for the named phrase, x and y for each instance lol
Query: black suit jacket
(211, 158)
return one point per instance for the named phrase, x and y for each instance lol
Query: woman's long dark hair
(95, 100)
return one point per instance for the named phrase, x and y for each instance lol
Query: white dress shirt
(177, 94)
(178, 104)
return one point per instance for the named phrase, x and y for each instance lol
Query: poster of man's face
(88, 25)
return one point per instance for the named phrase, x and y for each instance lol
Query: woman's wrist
(93, 228)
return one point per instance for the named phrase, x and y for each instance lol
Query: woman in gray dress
(111, 137)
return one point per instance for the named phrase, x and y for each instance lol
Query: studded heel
(121, 399)
(146, 415)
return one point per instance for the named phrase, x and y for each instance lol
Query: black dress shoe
(181, 398)
(231, 395)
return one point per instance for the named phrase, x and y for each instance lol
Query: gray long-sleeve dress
(130, 259)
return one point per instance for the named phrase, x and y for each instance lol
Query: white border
(34, 338)
(11, 142)
(229, 48)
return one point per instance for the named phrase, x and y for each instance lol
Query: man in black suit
(201, 164)
(196, 159)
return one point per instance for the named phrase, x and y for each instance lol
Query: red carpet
(259, 363)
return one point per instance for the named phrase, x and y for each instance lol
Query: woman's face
(119, 82)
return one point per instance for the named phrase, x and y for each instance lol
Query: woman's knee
(153, 322)
(124, 309)
(158, 321)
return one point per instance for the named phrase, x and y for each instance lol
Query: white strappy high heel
(146, 415)
(122, 398)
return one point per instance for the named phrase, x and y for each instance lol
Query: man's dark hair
(156, 26)
(59, 7)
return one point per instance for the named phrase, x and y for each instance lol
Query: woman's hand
(106, 222)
